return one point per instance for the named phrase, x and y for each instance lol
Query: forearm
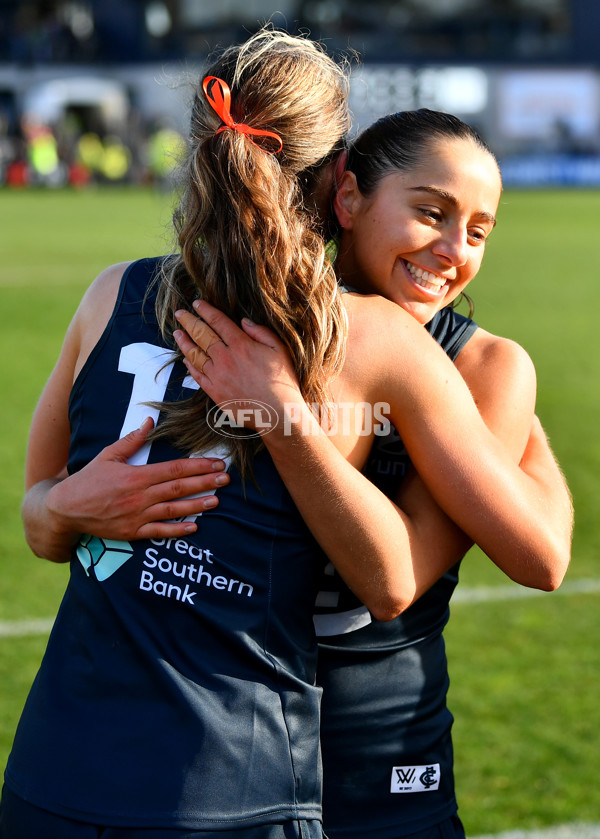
(47, 533)
(502, 380)
(519, 517)
(545, 513)
(112, 499)
(386, 555)
(540, 464)
(390, 555)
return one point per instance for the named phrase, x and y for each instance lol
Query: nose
(452, 245)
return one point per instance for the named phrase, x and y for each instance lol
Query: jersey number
(151, 369)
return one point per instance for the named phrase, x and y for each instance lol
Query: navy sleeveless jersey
(177, 688)
(386, 728)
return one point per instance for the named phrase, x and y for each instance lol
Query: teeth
(425, 278)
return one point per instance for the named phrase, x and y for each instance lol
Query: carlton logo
(242, 418)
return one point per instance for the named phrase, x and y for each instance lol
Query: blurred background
(87, 86)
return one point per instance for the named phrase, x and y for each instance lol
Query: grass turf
(525, 675)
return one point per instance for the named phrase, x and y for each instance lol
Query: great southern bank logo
(105, 556)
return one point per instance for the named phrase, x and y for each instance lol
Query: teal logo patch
(105, 556)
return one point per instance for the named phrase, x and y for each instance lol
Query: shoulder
(502, 380)
(102, 291)
(391, 358)
(382, 332)
(95, 310)
(372, 316)
(487, 354)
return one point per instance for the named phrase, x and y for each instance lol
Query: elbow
(546, 572)
(557, 563)
(389, 614)
(32, 543)
(542, 561)
(385, 613)
(558, 551)
(57, 556)
(548, 582)
(553, 575)
(45, 549)
(390, 607)
(393, 597)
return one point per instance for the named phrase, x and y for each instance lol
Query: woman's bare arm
(468, 470)
(501, 378)
(108, 497)
(372, 542)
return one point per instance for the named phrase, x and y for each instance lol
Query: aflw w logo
(405, 776)
(415, 778)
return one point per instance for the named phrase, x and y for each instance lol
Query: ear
(346, 200)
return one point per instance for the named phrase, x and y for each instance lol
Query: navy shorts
(21, 820)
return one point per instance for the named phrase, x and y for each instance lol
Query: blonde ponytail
(248, 238)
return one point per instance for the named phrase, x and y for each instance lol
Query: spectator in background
(165, 148)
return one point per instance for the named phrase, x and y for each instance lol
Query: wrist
(58, 519)
(298, 437)
(295, 420)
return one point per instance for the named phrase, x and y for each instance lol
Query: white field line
(486, 594)
(565, 831)
(464, 594)
(19, 629)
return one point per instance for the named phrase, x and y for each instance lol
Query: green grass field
(525, 673)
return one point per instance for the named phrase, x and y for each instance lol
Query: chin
(419, 310)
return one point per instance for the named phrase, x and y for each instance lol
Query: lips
(426, 279)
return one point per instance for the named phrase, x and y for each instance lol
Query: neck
(345, 268)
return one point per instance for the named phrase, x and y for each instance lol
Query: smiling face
(419, 238)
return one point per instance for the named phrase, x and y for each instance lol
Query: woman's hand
(244, 365)
(115, 500)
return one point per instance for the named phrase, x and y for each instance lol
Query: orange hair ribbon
(219, 97)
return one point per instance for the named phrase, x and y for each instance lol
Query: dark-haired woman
(415, 212)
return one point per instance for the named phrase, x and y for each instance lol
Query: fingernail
(217, 465)
(196, 304)
(221, 480)
(177, 334)
(209, 502)
(179, 313)
(248, 322)
(190, 528)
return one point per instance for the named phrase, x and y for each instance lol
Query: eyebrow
(451, 199)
